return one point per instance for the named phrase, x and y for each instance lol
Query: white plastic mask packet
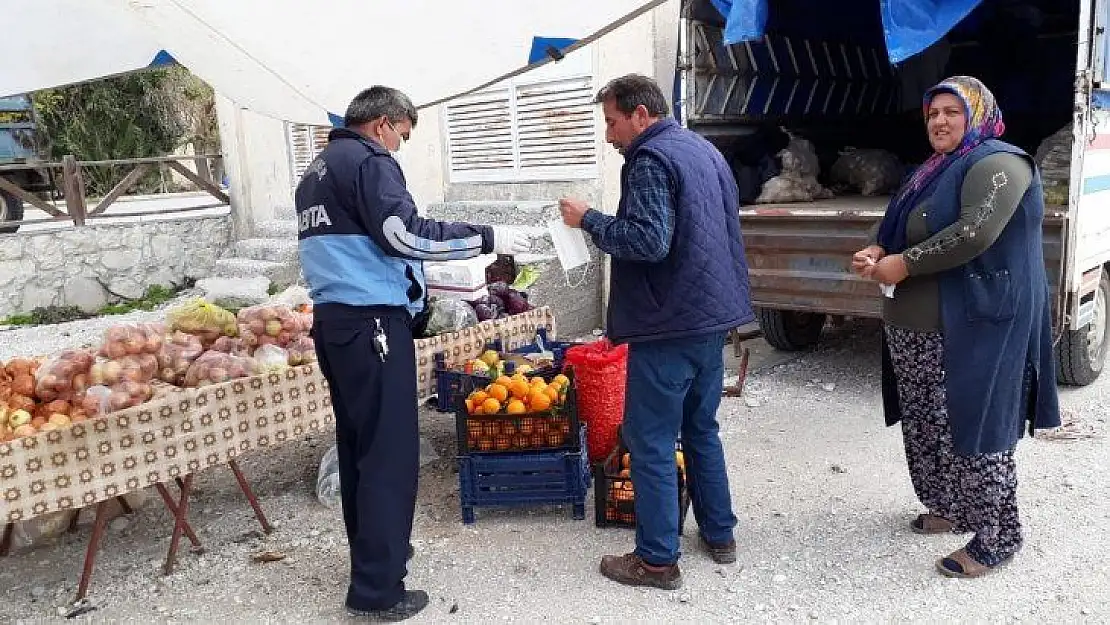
(570, 247)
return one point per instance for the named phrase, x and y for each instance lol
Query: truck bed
(799, 254)
(841, 206)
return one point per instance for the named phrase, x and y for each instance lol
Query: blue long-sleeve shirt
(644, 232)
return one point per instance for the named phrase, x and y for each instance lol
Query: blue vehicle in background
(21, 142)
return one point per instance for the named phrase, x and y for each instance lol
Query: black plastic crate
(555, 430)
(615, 495)
(524, 479)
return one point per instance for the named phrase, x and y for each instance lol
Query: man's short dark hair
(379, 101)
(630, 91)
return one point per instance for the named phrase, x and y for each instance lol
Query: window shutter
(305, 142)
(555, 128)
(541, 130)
(480, 136)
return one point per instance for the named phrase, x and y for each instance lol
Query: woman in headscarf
(967, 344)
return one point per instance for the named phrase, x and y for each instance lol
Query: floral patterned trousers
(976, 493)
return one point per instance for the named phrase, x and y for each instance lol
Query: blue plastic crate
(524, 479)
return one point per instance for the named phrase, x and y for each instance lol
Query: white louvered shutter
(305, 142)
(555, 129)
(480, 136)
(524, 132)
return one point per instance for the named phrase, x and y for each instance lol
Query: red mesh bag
(600, 371)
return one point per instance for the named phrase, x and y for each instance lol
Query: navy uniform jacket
(361, 240)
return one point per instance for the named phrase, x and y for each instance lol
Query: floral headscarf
(984, 121)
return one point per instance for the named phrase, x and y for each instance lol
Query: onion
(118, 400)
(114, 350)
(134, 345)
(111, 372)
(23, 384)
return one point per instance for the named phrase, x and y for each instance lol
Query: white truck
(821, 70)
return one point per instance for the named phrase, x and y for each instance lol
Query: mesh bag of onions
(64, 376)
(128, 362)
(204, 320)
(269, 324)
(178, 352)
(217, 367)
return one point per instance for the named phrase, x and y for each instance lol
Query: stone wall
(92, 266)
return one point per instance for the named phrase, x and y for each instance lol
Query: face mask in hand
(570, 247)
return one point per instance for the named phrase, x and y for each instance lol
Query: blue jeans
(674, 386)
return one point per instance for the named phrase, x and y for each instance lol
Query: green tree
(137, 115)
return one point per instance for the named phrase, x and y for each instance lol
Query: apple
(24, 430)
(59, 419)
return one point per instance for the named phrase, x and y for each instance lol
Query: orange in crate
(534, 415)
(615, 493)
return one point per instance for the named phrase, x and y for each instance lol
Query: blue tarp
(909, 26)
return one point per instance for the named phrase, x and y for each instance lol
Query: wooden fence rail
(74, 189)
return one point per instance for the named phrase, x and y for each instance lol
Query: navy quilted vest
(996, 310)
(702, 284)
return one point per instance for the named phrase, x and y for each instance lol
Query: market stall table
(184, 431)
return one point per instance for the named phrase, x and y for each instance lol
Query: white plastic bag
(327, 480)
(271, 358)
(788, 188)
(800, 157)
(798, 180)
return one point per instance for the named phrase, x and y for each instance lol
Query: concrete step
(286, 212)
(280, 274)
(274, 250)
(277, 229)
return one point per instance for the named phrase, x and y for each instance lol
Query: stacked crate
(615, 494)
(529, 459)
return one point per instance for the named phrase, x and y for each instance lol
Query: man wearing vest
(679, 282)
(362, 247)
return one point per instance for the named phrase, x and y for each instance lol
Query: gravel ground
(819, 485)
(39, 340)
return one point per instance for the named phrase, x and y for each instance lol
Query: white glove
(510, 241)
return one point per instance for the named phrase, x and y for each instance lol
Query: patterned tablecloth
(187, 430)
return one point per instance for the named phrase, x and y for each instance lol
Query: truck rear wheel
(1080, 354)
(11, 209)
(790, 330)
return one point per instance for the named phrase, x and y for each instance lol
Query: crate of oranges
(615, 495)
(519, 413)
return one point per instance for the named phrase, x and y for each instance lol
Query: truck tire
(11, 209)
(790, 330)
(1080, 354)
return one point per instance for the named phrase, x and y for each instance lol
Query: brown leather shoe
(721, 554)
(630, 570)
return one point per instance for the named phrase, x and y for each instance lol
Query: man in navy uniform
(362, 247)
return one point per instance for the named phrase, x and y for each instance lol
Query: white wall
(423, 161)
(257, 153)
(257, 161)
